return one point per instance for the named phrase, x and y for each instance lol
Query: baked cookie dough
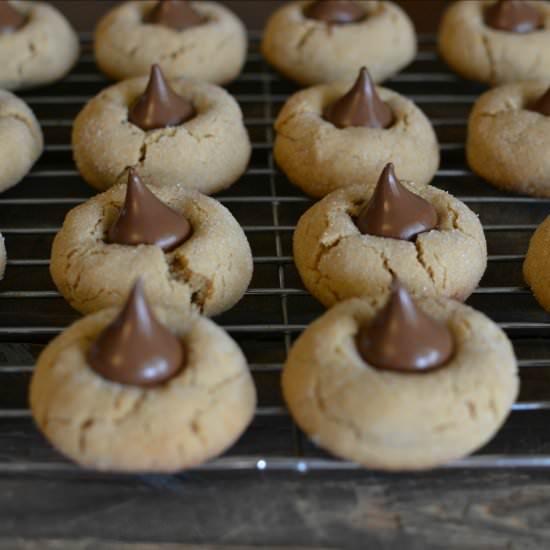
(336, 261)
(508, 142)
(479, 52)
(41, 50)
(393, 420)
(106, 425)
(209, 272)
(536, 268)
(207, 153)
(214, 50)
(319, 157)
(310, 51)
(21, 138)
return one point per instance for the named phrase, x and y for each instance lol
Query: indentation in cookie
(514, 16)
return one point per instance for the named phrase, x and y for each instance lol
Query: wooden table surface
(451, 509)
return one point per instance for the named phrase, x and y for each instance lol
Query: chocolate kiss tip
(144, 219)
(394, 211)
(360, 106)
(176, 14)
(10, 18)
(159, 106)
(335, 12)
(402, 337)
(136, 349)
(542, 105)
(514, 16)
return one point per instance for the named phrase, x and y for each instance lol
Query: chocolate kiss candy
(403, 338)
(542, 105)
(136, 349)
(514, 16)
(159, 106)
(144, 219)
(361, 106)
(394, 211)
(335, 12)
(176, 14)
(10, 18)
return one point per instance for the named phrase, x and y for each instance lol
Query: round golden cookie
(42, 51)
(311, 52)
(507, 143)
(479, 52)
(21, 138)
(392, 420)
(208, 152)
(336, 261)
(209, 272)
(109, 426)
(318, 157)
(536, 268)
(214, 51)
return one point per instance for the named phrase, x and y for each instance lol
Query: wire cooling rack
(276, 308)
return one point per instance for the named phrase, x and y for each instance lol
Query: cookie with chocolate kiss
(356, 381)
(497, 42)
(176, 14)
(142, 388)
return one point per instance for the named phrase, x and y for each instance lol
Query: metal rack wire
(276, 307)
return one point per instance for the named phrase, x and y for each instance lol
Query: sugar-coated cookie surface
(336, 261)
(311, 52)
(209, 272)
(319, 157)
(480, 52)
(42, 50)
(536, 268)
(110, 426)
(208, 153)
(126, 46)
(508, 142)
(21, 138)
(392, 420)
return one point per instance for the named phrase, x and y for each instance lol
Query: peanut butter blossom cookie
(190, 251)
(497, 41)
(354, 241)
(21, 138)
(537, 264)
(142, 389)
(180, 131)
(37, 45)
(395, 384)
(201, 40)
(339, 134)
(328, 40)
(509, 137)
